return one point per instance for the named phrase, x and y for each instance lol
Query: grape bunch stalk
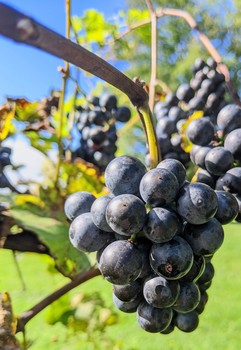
(154, 235)
(96, 123)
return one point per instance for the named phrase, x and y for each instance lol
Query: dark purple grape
(108, 101)
(205, 177)
(218, 160)
(207, 274)
(128, 292)
(153, 319)
(200, 155)
(123, 175)
(196, 269)
(172, 259)
(227, 207)
(198, 65)
(231, 181)
(175, 167)
(171, 99)
(204, 239)
(85, 236)
(78, 203)
(165, 126)
(197, 203)
(120, 262)
(229, 118)
(123, 114)
(201, 131)
(187, 322)
(128, 306)
(159, 187)
(98, 210)
(188, 297)
(160, 292)
(161, 225)
(176, 113)
(185, 92)
(232, 143)
(126, 214)
(203, 301)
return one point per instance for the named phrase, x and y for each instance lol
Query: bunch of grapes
(96, 124)
(155, 235)
(205, 91)
(216, 151)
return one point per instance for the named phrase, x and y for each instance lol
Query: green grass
(219, 327)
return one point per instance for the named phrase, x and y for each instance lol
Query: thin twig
(26, 316)
(20, 275)
(153, 54)
(65, 76)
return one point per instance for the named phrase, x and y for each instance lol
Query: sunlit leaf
(6, 116)
(54, 234)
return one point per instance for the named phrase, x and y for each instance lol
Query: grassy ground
(219, 327)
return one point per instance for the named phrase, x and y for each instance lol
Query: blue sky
(28, 72)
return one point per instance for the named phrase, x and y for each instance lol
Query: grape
(159, 187)
(127, 306)
(187, 322)
(123, 114)
(218, 160)
(207, 274)
(203, 301)
(172, 259)
(78, 203)
(85, 236)
(200, 155)
(201, 131)
(205, 239)
(123, 175)
(120, 262)
(205, 177)
(175, 167)
(161, 293)
(232, 143)
(162, 224)
(229, 118)
(98, 210)
(196, 269)
(127, 292)
(231, 181)
(197, 203)
(185, 92)
(165, 126)
(153, 319)
(126, 214)
(108, 101)
(227, 207)
(188, 297)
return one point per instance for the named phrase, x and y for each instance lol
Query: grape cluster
(5, 153)
(216, 152)
(205, 92)
(155, 235)
(96, 123)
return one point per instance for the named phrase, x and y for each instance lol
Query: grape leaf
(54, 234)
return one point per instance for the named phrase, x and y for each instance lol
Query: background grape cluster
(205, 92)
(96, 123)
(155, 235)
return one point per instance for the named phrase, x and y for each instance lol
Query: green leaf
(54, 234)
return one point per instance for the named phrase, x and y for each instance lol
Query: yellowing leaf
(29, 199)
(6, 115)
